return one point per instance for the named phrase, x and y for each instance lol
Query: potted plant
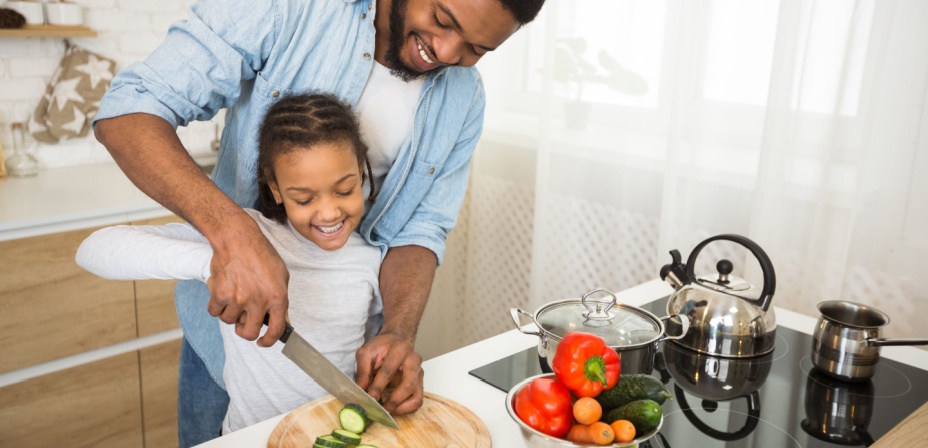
(573, 68)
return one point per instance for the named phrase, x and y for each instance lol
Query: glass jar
(22, 163)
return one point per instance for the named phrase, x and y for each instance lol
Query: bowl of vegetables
(586, 401)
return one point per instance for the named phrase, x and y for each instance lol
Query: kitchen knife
(330, 377)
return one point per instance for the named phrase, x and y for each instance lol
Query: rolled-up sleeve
(201, 65)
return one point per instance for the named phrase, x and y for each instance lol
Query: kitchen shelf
(49, 31)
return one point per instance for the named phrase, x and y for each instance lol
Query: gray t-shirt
(335, 304)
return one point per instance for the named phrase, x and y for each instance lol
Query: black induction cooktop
(779, 400)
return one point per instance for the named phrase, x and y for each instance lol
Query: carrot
(601, 433)
(587, 410)
(624, 431)
(580, 434)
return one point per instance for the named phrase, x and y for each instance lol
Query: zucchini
(346, 436)
(353, 418)
(644, 414)
(330, 442)
(631, 388)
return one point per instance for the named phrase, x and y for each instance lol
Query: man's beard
(397, 42)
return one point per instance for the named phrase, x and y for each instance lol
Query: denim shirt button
(370, 6)
(363, 16)
(432, 170)
(367, 56)
(275, 93)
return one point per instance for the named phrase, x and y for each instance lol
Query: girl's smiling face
(321, 190)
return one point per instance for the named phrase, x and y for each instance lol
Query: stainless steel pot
(846, 342)
(633, 332)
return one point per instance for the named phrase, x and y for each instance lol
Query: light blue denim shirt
(244, 54)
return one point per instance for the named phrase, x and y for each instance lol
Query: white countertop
(63, 199)
(447, 375)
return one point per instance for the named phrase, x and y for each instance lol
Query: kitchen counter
(447, 375)
(64, 199)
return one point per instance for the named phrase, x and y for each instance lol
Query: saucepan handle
(514, 313)
(883, 342)
(684, 325)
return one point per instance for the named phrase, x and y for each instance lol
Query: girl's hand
(389, 361)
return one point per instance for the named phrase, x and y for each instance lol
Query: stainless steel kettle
(728, 316)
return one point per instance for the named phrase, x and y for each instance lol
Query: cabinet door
(155, 298)
(93, 405)
(51, 308)
(159, 393)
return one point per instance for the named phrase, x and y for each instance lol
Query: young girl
(310, 175)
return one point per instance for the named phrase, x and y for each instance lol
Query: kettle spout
(675, 272)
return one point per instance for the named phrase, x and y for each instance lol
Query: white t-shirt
(335, 304)
(387, 111)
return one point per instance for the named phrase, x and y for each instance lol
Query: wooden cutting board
(439, 423)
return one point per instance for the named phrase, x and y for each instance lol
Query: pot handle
(514, 314)
(882, 342)
(770, 280)
(684, 323)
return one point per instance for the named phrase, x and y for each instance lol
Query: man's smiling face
(418, 36)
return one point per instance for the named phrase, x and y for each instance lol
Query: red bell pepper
(585, 364)
(545, 405)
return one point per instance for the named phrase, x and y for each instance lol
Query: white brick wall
(127, 31)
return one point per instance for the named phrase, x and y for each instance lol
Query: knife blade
(330, 377)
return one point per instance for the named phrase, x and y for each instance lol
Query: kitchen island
(448, 376)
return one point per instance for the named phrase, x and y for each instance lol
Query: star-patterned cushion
(72, 97)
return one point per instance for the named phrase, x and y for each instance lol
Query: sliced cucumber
(353, 418)
(346, 436)
(330, 442)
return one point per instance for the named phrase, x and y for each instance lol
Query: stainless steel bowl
(536, 439)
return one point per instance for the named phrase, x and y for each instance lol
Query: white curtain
(617, 130)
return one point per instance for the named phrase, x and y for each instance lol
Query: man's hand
(249, 280)
(390, 361)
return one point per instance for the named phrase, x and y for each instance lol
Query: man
(422, 121)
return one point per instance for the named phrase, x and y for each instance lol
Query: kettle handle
(770, 280)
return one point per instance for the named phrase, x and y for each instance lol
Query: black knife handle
(287, 328)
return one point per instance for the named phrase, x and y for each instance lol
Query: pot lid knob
(598, 310)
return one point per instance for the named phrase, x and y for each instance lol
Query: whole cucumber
(631, 388)
(644, 414)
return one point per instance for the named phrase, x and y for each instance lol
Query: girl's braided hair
(297, 123)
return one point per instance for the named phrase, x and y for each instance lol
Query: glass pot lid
(619, 325)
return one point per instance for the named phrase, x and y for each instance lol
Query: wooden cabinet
(94, 405)
(50, 308)
(158, 366)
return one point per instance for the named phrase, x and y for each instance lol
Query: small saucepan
(846, 342)
(633, 332)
